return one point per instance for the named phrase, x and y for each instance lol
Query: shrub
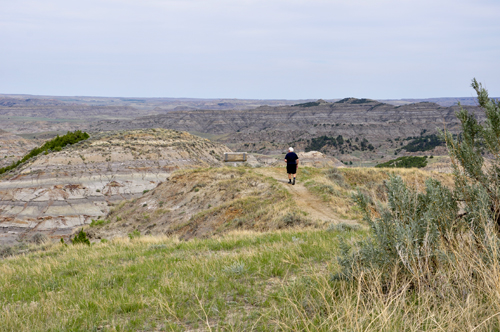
(99, 222)
(6, 251)
(39, 238)
(317, 143)
(54, 144)
(424, 143)
(294, 218)
(408, 232)
(342, 227)
(336, 176)
(424, 234)
(81, 237)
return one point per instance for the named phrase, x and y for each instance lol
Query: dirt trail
(316, 208)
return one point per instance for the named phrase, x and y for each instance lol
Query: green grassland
(237, 282)
(243, 281)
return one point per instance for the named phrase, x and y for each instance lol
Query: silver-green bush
(418, 233)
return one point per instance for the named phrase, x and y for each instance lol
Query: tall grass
(161, 283)
(463, 296)
(280, 281)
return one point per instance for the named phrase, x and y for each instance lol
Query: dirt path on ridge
(316, 208)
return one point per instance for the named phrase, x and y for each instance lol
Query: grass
(207, 201)
(156, 283)
(335, 186)
(243, 281)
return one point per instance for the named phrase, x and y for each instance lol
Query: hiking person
(292, 162)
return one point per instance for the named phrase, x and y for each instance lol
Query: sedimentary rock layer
(60, 191)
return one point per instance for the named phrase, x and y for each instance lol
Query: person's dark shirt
(291, 158)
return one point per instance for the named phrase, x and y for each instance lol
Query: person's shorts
(291, 168)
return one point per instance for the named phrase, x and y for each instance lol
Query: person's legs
(289, 170)
(294, 175)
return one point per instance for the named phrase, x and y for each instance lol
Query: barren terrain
(57, 192)
(370, 130)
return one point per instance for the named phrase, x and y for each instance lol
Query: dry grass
(204, 202)
(277, 281)
(462, 296)
(336, 186)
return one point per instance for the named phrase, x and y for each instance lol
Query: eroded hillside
(205, 202)
(13, 148)
(350, 129)
(56, 192)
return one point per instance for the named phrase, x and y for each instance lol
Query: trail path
(316, 208)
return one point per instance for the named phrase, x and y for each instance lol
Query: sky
(269, 49)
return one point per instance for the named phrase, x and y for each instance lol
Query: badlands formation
(57, 192)
(269, 130)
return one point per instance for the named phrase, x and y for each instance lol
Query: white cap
(290, 149)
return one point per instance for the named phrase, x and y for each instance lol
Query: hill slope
(59, 191)
(205, 202)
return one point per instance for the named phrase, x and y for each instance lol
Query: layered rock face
(60, 191)
(272, 128)
(318, 159)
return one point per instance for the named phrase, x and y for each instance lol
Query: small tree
(81, 237)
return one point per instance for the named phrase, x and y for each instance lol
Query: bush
(424, 143)
(317, 143)
(336, 176)
(39, 238)
(81, 238)
(422, 235)
(99, 222)
(134, 235)
(408, 232)
(342, 227)
(6, 251)
(293, 218)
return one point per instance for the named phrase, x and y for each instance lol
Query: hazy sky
(250, 48)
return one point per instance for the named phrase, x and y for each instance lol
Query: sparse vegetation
(424, 143)
(405, 162)
(99, 222)
(134, 235)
